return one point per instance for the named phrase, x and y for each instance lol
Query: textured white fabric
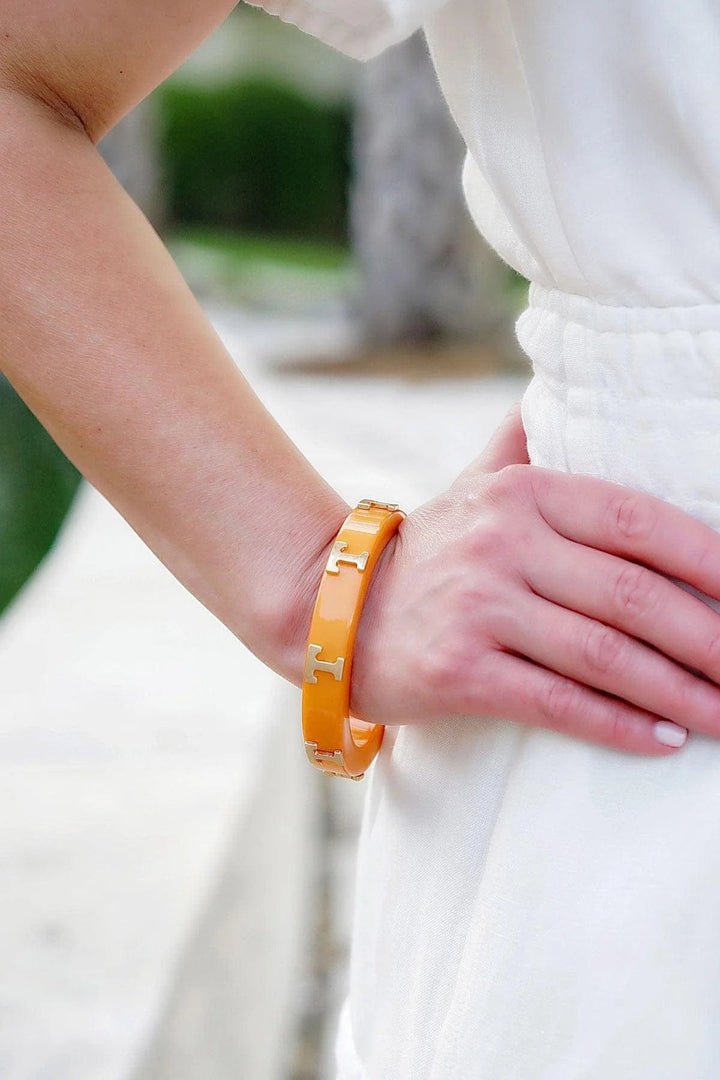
(530, 906)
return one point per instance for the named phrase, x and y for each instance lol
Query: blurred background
(177, 880)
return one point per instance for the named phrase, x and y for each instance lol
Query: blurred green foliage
(262, 273)
(37, 485)
(255, 154)
(246, 251)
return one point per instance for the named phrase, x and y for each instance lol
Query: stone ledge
(156, 873)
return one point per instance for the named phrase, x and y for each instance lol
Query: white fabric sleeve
(359, 28)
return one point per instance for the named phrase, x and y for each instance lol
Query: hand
(540, 597)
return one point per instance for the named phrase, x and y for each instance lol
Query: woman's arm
(105, 342)
(519, 593)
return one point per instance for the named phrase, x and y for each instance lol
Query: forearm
(105, 342)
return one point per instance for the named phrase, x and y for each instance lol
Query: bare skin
(520, 593)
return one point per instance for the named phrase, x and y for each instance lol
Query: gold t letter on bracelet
(335, 742)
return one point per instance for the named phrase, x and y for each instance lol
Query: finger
(507, 446)
(624, 522)
(604, 658)
(631, 597)
(533, 695)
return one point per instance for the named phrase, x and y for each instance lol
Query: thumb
(507, 446)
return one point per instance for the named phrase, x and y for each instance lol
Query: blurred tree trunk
(131, 151)
(425, 272)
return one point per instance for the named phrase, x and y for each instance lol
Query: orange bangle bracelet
(335, 742)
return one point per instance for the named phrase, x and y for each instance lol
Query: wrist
(365, 656)
(288, 625)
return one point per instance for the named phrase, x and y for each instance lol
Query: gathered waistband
(629, 394)
(618, 318)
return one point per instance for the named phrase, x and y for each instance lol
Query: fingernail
(669, 734)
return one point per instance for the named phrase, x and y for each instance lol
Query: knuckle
(602, 648)
(621, 727)
(712, 653)
(514, 475)
(705, 559)
(488, 540)
(448, 668)
(685, 697)
(508, 482)
(559, 701)
(631, 517)
(566, 702)
(635, 591)
(502, 619)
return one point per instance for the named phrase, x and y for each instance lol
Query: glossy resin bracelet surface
(336, 742)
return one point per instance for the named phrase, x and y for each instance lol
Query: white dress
(530, 906)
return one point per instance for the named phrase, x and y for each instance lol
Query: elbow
(70, 109)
